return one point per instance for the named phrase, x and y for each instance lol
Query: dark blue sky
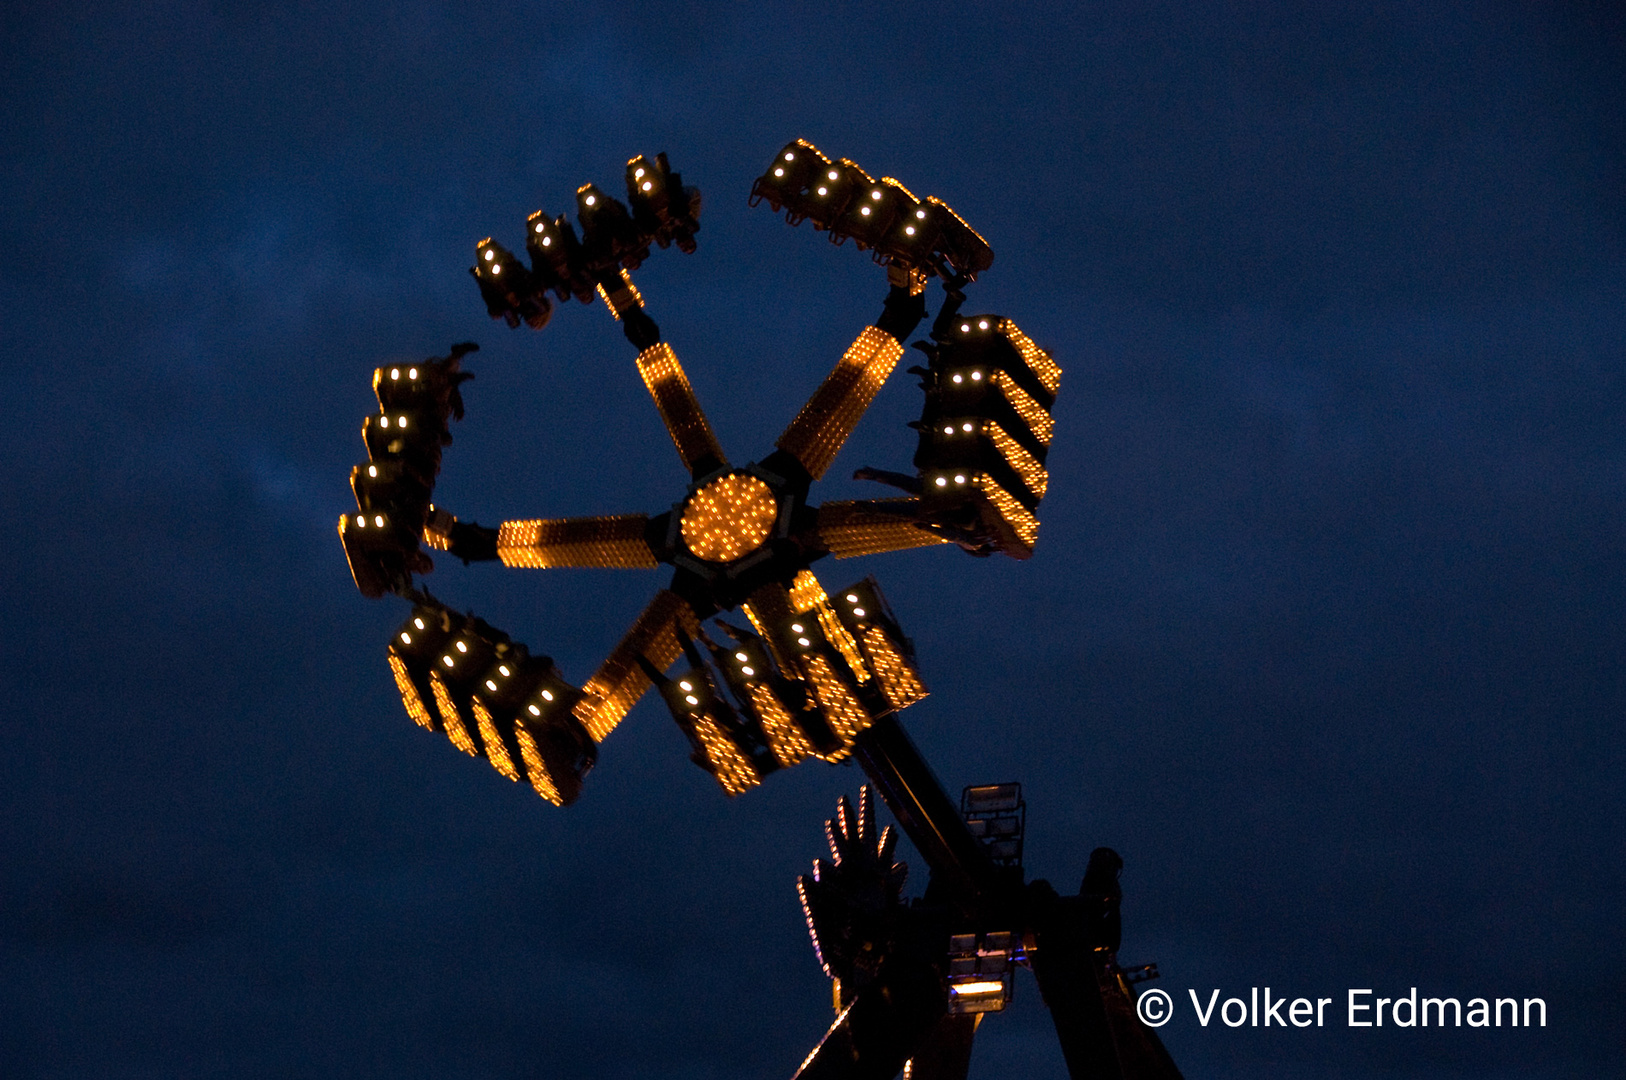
(1324, 632)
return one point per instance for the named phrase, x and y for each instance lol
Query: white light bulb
(534, 710)
(965, 328)
(858, 613)
(834, 175)
(418, 623)
(864, 211)
(395, 373)
(384, 421)
(540, 227)
(802, 641)
(686, 685)
(691, 699)
(400, 421)
(547, 240)
(852, 598)
(966, 428)
(372, 470)
(920, 214)
(447, 660)
(406, 638)
(959, 479)
(591, 200)
(378, 519)
(976, 375)
(942, 481)
(824, 191)
(796, 628)
(547, 695)
(648, 185)
(741, 656)
(779, 172)
(790, 157)
(958, 378)
(949, 430)
(639, 175)
(490, 685)
(747, 671)
(496, 269)
(412, 373)
(909, 230)
(982, 324)
(462, 647)
(503, 670)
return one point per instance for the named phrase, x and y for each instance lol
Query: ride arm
(620, 681)
(466, 540)
(817, 433)
(617, 542)
(927, 815)
(664, 377)
(872, 527)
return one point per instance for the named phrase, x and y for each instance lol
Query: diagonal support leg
(928, 816)
(877, 1033)
(1091, 1006)
(946, 1052)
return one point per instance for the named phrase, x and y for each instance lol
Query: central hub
(728, 518)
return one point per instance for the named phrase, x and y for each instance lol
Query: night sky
(1324, 632)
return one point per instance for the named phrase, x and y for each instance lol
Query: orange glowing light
(729, 517)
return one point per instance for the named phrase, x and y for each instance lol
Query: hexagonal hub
(728, 518)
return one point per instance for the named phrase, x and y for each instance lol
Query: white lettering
(1202, 1017)
(1353, 1007)
(1366, 1010)
(1411, 1010)
(1439, 1008)
(1270, 1010)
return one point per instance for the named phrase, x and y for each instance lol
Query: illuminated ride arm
(616, 542)
(819, 430)
(621, 680)
(664, 377)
